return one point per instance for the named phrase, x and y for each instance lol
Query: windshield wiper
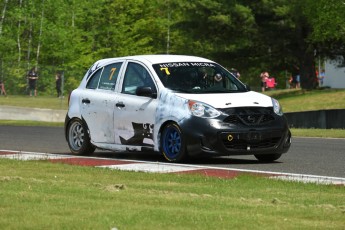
(218, 91)
(180, 90)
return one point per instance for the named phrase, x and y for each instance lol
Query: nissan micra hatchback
(178, 106)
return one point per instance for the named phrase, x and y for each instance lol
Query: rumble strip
(159, 167)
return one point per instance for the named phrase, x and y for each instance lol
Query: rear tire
(78, 138)
(172, 143)
(268, 157)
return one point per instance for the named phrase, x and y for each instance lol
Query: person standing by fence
(264, 76)
(32, 77)
(322, 76)
(58, 81)
(2, 88)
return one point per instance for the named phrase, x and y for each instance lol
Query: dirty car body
(179, 106)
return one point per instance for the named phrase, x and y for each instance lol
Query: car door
(98, 103)
(135, 115)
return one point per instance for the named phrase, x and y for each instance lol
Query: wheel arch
(68, 120)
(182, 154)
(161, 128)
(78, 136)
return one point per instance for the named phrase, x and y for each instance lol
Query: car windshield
(197, 77)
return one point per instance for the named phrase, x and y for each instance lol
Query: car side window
(109, 76)
(94, 79)
(136, 75)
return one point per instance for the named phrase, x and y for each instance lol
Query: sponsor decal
(141, 131)
(182, 64)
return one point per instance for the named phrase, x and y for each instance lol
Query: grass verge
(42, 195)
(302, 100)
(30, 123)
(323, 133)
(46, 102)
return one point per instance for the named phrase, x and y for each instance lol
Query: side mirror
(247, 87)
(145, 91)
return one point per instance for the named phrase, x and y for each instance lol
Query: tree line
(282, 37)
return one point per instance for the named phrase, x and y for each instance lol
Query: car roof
(159, 58)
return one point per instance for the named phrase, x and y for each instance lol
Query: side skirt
(122, 148)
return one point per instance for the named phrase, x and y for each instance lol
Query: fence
(321, 119)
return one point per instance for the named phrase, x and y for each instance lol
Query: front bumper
(217, 137)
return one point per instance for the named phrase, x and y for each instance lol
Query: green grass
(46, 102)
(30, 123)
(42, 195)
(323, 133)
(301, 100)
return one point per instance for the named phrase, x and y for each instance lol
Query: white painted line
(290, 176)
(149, 167)
(25, 156)
(311, 179)
(286, 176)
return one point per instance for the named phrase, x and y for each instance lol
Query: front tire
(78, 138)
(172, 144)
(268, 157)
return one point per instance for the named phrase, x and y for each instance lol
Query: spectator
(296, 78)
(2, 88)
(58, 81)
(264, 76)
(291, 82)
(235, 73)
(271, 83)
(298, 81)
(32, 77)
(322, 77)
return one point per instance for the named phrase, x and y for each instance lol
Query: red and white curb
(159, 167)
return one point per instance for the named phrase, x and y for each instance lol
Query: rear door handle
(120, 104)
(86, 101)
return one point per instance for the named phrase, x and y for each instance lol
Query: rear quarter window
(109, 76)
(105, 78)
(94, 79)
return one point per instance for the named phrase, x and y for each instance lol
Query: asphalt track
(311, 156)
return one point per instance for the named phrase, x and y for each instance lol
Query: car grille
(243, 144)
(243, 141)
(248, 116)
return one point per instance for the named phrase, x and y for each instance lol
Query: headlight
(276, 107)
(200, 109)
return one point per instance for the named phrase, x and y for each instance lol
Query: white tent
(335, 76)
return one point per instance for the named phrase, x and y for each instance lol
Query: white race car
(179, 106)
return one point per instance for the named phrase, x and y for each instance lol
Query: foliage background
(280, 36)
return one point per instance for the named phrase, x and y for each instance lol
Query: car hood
(228, 100)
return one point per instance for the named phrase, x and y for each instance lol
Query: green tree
(297, 32)
(252, 36)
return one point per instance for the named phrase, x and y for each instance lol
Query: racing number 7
(112, 71)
